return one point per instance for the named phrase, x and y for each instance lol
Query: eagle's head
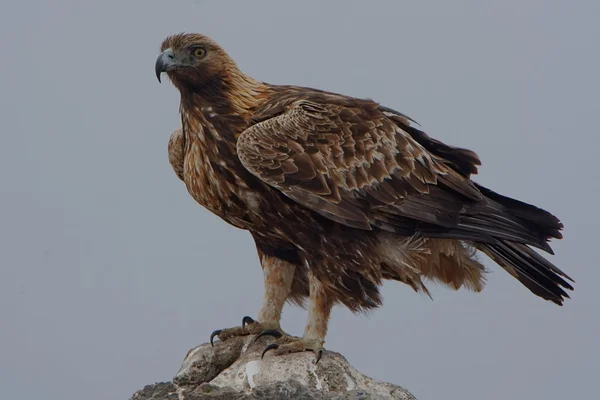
(199, 67)
(193, 59)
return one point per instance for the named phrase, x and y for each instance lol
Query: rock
(233, 370)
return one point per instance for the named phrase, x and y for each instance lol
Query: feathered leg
(319, 309)
(278, 277)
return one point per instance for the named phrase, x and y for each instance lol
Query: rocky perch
(234, 370)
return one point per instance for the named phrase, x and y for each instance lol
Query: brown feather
(176, 152)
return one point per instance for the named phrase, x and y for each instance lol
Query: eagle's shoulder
(283, 98)
(463, 161)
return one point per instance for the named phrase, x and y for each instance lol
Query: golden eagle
(339, 193)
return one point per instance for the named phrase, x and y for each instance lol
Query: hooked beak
(164, 62)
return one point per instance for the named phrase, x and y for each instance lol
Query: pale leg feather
(278, 277)
(319, 310)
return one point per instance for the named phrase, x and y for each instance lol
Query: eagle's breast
(213, 174)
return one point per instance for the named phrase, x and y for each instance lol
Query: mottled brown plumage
(340, 193)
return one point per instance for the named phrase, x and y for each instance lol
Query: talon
(319, 355)
(272, 346)
(212, 336)
(247, 321)
(269, 332)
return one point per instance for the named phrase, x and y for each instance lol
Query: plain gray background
(110, 272)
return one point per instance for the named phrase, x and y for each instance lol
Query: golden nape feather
(339, 194)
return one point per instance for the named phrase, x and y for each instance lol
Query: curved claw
(269, 332)
(247, 321)
(212, 336)
(319, 355)
(272, 346)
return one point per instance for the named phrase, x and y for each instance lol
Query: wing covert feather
(347, 163)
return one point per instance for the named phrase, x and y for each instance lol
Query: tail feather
(529, 225)
(539, 275)
(505, 218)
(493, 226)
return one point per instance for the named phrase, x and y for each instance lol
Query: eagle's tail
(536, 273)
(531, 269)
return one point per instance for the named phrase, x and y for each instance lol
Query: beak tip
(158, 70)
(163, 62)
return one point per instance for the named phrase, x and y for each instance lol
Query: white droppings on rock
(350, 382)
(313, 370)
(252, 368)
(246, 344)
(179, 392)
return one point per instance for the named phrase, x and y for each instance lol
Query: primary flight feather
(339, 194)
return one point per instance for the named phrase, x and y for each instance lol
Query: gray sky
(110, 272)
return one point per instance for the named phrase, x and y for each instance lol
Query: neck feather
(229, 92)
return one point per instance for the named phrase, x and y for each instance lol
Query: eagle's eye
(198, 51)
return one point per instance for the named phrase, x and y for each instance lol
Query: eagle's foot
(291, 344)
(249, 327)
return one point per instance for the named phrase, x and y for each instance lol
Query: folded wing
(353, 165)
